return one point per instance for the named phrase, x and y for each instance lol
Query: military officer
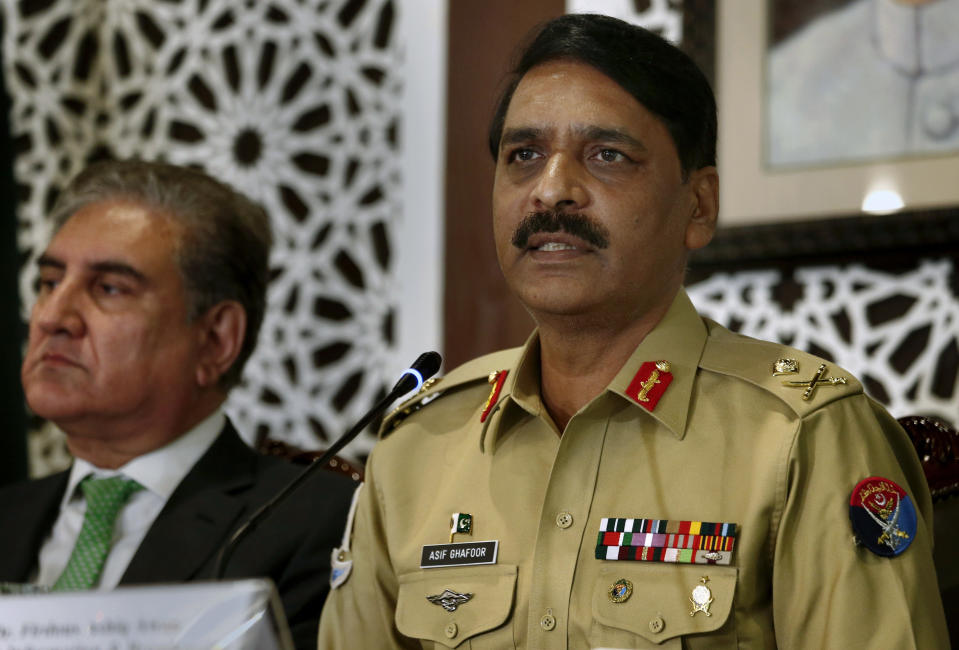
(634, 475)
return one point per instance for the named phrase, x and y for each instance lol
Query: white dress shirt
(159, 472)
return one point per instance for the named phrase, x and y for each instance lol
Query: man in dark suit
(151, 296)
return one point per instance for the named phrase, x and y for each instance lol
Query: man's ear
(222, 329)
(701, 227)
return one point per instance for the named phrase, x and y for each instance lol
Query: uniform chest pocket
(480, 600)
(643, 604)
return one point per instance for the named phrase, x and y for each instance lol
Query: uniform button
(547, 622)
(656, 625)
(451, 630)
(564, 520)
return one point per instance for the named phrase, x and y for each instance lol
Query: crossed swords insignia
(817, 380)
(892, 535)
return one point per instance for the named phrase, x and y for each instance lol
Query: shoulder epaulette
(802, 380)
(469, 373)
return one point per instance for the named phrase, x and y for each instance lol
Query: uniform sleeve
(359, 613)
(829, 591)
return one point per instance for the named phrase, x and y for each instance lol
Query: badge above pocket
(449, 606)
(660, 601)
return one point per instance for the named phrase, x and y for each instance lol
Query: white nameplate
(239, 615)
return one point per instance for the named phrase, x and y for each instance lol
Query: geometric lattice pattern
(296, 102)
(897, 331)
(665, 17)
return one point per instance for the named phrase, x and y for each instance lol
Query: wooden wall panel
(480, 314)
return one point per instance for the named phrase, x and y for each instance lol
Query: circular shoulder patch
(883, 516)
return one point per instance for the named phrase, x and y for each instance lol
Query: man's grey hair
(225, 248)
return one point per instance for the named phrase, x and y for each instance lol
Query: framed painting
(802, 135)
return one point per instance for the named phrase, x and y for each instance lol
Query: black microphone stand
(425, 366)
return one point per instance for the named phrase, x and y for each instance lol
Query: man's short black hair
(659, 75)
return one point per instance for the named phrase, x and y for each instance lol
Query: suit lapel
(201, 513)
(29, 510)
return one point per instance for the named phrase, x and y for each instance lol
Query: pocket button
(657, 624)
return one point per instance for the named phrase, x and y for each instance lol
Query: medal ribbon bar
(661, 540)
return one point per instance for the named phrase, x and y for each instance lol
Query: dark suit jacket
(292, 546)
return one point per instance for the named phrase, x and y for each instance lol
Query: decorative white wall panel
(300, 104)
(664, 17)
(898, 332)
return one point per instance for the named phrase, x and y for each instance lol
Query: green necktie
(105, 497)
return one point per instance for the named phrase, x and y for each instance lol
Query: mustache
(574, 223)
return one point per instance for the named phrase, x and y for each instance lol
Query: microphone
(425, 366)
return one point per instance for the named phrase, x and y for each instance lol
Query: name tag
(459, 554)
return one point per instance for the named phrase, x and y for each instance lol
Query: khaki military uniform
(726, 442)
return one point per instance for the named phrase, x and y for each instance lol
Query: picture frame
(752, 194)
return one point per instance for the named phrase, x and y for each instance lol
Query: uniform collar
(520, 390)
(678, 338)
(918, 39)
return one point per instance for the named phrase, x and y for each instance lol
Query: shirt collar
(520, 390)
(678, 338)
(917, 39)
(161, 470)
